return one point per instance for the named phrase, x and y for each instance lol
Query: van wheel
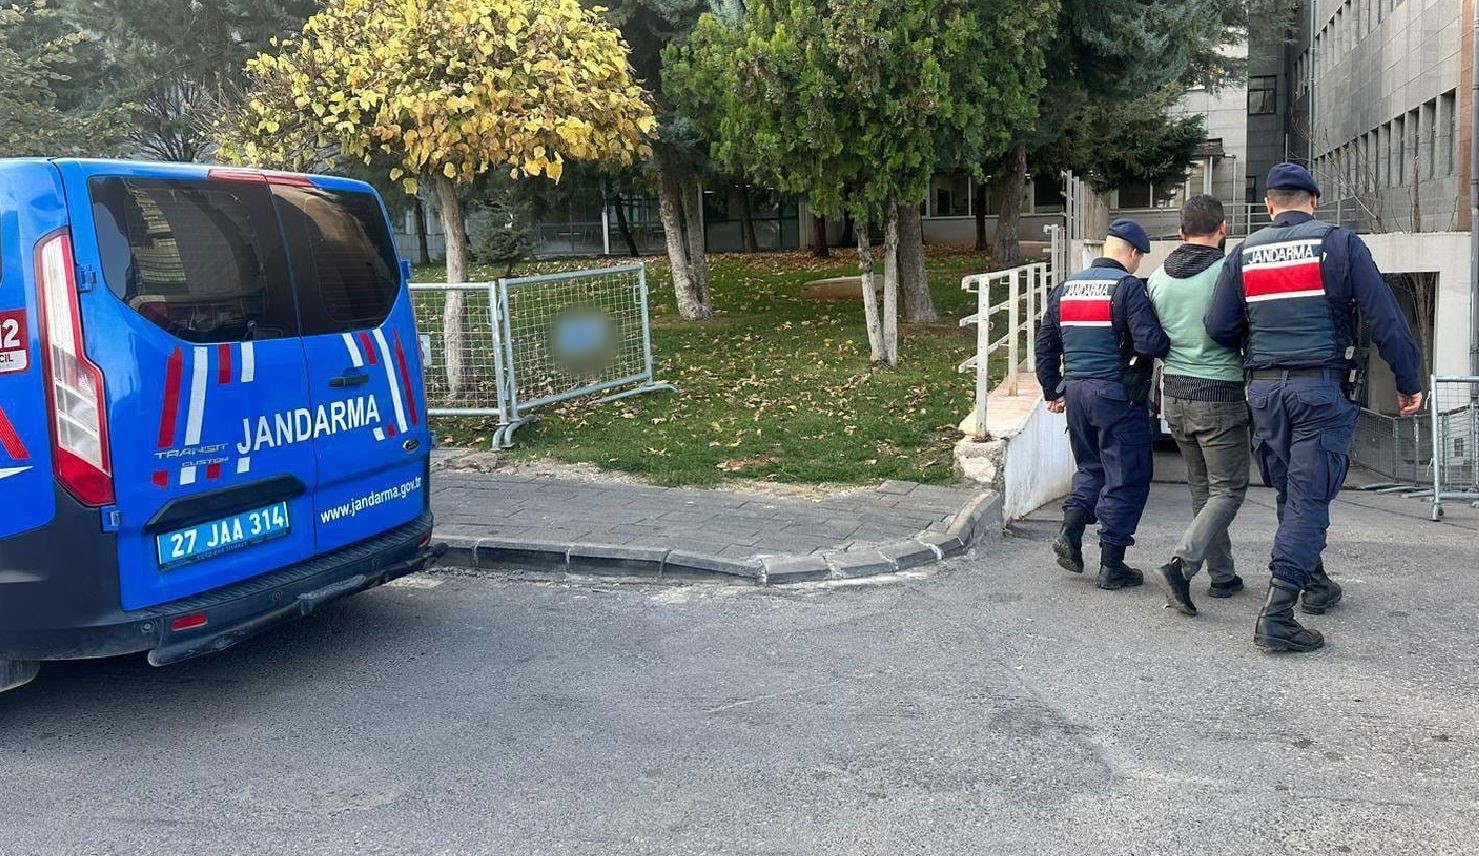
(17, 673)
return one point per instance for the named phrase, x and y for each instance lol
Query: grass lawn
(774, 387)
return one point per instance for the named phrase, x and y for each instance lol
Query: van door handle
(351, 378)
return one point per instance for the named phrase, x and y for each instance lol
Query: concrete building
(1376, 98)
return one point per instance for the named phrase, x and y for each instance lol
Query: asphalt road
(998, 706)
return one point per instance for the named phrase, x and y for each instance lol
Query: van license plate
(204, 540)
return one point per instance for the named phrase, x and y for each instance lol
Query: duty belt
(1336, 375)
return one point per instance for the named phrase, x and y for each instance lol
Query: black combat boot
(1113, 572)
(1276, 629)
(1069, 545)
(1321, 594)
(1173, 581)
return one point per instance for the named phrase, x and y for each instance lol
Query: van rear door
(188, 309)
(32, 190)
(364, 365)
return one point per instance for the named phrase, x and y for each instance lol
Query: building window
(1047, 195)
(1250, 189)
(1262, 95)
(1364, 163)
(1399, 152)
(1168, 195)
(950, 195)
(1430, 138)
(1134, 196)
(1383, 153)
(1450, 130)
(1409, 169)
(1197, 179)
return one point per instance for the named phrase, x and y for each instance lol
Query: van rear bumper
(234, 612)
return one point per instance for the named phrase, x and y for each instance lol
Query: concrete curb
(978, 520)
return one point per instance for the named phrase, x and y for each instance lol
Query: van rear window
(343, 257)
(201, 259)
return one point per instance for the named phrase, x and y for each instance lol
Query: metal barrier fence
(1455, 415)
(1026, 298)
(528, 342)
(1399, 448)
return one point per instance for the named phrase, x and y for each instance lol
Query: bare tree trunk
(980, 202)
(819, 245)
(741, 198)
(919, 307)
(670, 208)
(698, 262)
(876, 351)
(423, 248)
(624, 227)
(891, 285)
(1012, 182)
(454, 313)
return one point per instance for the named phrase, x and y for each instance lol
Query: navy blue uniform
(1095, 347)
(1289, 298)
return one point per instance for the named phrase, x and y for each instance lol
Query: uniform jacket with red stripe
(1095, 323)
(1289, 297)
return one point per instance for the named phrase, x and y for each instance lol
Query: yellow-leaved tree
(445, 90)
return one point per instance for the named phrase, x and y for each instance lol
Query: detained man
(1204, 403)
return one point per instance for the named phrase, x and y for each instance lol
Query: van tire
(17, 673)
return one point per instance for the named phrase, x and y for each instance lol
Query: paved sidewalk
(543, 523)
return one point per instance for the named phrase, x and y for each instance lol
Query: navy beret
(1129, 231)
(1292, 176)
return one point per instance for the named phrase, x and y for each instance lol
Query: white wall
(1447, 255)
(1039, 463)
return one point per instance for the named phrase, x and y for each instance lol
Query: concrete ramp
(1026, 458)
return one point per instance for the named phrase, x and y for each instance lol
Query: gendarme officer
(1095, 352)
(1290, 297)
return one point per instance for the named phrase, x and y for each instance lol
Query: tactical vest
(1292, 319)
(1091, 345)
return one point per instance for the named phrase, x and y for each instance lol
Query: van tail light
(74, 385)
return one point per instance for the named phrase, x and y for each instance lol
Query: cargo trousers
(1302, 432)
(1213, 438)
(1110, 436)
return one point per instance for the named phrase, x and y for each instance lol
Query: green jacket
(1181, 304)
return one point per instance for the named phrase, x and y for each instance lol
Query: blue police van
(212, 417)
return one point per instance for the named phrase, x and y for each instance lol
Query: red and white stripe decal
(169, 416)
(10, 441)
(354, 356)
(223, 364)
(390, 379)
(195, 412)
(169, 413)
(364, 339)
(1085, 311)
(248, 362)
(406, 388)
(358, 361)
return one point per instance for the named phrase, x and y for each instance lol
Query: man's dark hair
(1284, 197)
(1200, 216)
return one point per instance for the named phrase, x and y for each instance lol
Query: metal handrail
(1027, 287)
